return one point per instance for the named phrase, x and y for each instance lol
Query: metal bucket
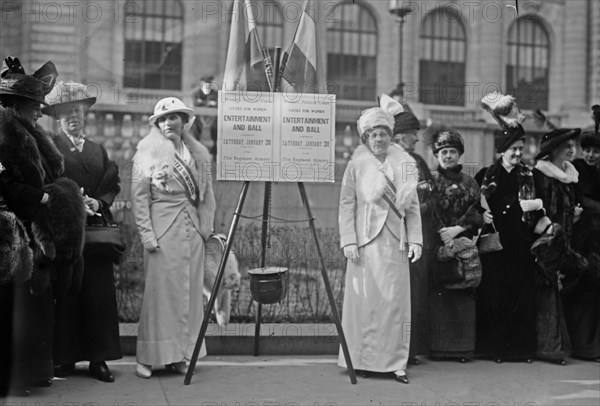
(268, 285)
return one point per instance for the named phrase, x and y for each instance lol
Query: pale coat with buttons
(376, 314)
(172, 307)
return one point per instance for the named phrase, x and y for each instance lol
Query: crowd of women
(58, 307)
(510, 264)
(505, 266)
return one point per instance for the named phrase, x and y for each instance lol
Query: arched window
(352, 52)
(528, 60)
(269, 25)
(442, 64)
(153, 44)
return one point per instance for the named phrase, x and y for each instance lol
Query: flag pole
(264, 52)
(286, 54)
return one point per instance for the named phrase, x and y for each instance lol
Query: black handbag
(489, 242)
(104, 239)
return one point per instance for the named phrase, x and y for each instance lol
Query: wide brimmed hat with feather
(14, 81)
(65, 95)
(404, 118)
(590, 138)
(504, 109)
(555, 137)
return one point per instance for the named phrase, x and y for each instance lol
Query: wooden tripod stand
(221, 271)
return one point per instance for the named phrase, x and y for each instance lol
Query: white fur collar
(155, 156)
(398, 166)
(568, 173)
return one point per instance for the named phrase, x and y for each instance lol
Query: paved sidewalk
(317, 381)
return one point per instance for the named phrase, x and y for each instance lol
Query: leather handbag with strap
(104, 239)
(490, 241)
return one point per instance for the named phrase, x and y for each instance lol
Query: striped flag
(245, 67)
(304, 71)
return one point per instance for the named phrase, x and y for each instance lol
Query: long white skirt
(376, 311)
(172, 308)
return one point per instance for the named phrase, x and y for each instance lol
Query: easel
(264, 231)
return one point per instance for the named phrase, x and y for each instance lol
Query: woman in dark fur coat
(28, 161)
(558, 148)
(456, 214)
(86, 325)
(582, 305)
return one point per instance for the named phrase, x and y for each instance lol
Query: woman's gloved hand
(351, 252)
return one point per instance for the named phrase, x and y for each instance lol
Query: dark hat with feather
(439, 136)
(14, 81)
(555, 137)
(590, 138)
(503, 108)
(404, 119)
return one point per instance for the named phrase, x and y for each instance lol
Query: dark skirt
(87, 325)
(506, 300)
(552, 336)
(452, 323)
(26, 323)
(582, 314)
(419, 308)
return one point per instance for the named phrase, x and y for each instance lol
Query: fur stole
(155, 157)
(16, 256)
(568, 173)
(398, 166)
(156, 154)
(26, 144)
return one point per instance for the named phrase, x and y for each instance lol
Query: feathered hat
(404, 119)
(555, 137)
(439, 136)
(65, 95)
(14, 81)
(505, 111)
(590, 138)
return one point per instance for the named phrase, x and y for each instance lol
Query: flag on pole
(245, 68)
(304, 71)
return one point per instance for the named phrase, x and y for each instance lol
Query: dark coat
(506, 297)
(452, 311)
(90, 169)
(29, 161)
(87, 325)
(582, 305)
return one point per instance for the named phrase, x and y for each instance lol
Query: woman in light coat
(379, 240)
(174, 208)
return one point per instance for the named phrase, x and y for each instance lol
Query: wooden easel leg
(215, 288)
(263, 258)
(334, 311)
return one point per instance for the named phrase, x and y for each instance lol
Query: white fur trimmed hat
(170, 105)
(374, 117)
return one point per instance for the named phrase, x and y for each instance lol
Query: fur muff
(154, 159)
(59, 231)
(16, 257)
(214, 249)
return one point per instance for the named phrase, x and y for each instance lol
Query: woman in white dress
(380, 231)
(174, 209)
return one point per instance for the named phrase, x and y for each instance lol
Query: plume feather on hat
(503, 109)
(596, 117)
(541, 120)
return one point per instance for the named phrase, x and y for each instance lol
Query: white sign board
(276, 137)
